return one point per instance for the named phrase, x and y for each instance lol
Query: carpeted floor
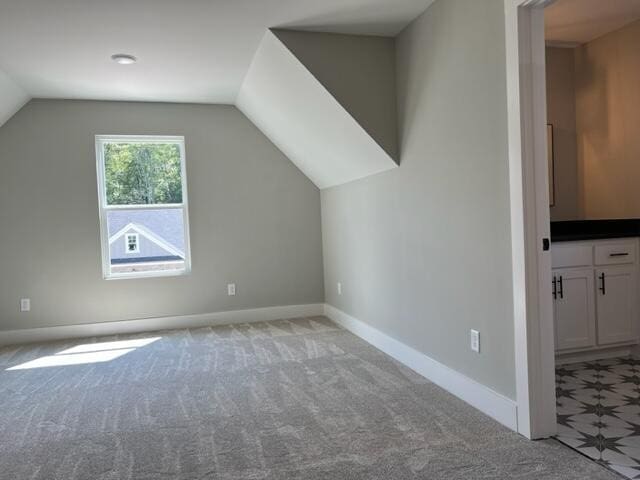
(280, 400)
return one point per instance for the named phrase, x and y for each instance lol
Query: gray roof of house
(165, 223)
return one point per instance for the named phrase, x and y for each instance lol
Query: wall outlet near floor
(475, 340)
(25, 304)
(339, 288)
(231, 289)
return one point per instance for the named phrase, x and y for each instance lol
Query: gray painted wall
(359, 71)
(254, 217)
(423, 252)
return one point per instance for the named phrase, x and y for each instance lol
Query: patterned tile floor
(598, 405)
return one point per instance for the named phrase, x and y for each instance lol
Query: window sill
(139, 275)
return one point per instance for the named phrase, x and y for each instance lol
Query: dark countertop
(594, 229)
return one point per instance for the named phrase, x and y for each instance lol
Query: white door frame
(529, 192)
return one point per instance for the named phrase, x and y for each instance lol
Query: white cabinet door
(574, 308)
(616, 304)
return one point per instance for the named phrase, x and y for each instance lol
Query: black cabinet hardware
(546, 244)
(603, 287)
(561, 290)
(555, 288)
(619, 254)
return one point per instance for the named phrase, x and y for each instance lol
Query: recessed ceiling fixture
(123, 58)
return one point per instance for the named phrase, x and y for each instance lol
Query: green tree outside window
(142, 173)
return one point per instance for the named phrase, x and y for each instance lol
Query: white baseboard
(31, 335)
(595, 354)
(497, 406)
(477, 395)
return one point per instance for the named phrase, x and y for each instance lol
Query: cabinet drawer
(564, 255)
(615, 253)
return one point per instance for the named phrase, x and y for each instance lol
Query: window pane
(160, 240)
(142, 173)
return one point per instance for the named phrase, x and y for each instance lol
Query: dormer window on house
(131, 240)
(143, 206)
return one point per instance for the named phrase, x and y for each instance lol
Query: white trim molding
(529, 199)
(104, 207)
(45, 334)
(492, 403)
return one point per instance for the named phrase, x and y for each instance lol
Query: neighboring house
(143, 236)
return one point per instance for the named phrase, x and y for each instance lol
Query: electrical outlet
(339, 288)
(25, 304)
(475, 341)
(231, 289)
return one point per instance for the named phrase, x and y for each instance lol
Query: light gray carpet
(280, 400)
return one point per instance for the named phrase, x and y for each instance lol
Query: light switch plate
(25, 304)
(475, 341)
(231, 289)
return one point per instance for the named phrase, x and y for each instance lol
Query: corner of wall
(12, 98)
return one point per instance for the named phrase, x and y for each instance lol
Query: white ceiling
(188, 50)
(580, 21)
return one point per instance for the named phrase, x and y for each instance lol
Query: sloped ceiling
(300, 116)
(204, 51)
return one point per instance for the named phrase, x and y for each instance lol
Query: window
(131, 243)
(142, 191)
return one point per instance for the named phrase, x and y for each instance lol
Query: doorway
(575, 317)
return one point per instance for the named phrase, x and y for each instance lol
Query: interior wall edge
(12, 98)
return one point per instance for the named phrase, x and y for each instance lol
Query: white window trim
(126, 243)
(101, 140)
